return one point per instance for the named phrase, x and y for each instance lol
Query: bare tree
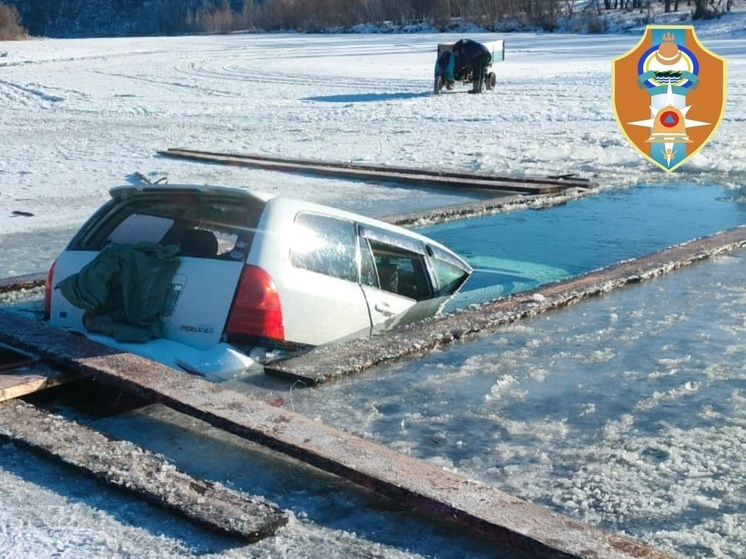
(79, 18)
(705, 9)
(10, 24)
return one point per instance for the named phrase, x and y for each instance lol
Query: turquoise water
(524, 249)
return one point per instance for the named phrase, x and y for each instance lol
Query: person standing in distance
(475, 56)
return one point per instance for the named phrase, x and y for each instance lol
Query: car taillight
(256, 309)
(48, 292)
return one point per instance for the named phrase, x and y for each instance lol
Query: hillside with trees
(90, 18)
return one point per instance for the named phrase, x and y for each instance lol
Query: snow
(626, 412)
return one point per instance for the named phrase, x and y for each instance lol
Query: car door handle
(384, 309)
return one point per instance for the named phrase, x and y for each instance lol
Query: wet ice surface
(31, 254)
(626, 411)
(328, 517)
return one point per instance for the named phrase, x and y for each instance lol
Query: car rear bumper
(217, 363)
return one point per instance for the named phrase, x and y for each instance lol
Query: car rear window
(138, 228)
(204, 225)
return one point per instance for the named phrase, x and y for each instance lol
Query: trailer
(447, 66)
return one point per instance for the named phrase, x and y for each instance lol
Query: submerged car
(228, 278)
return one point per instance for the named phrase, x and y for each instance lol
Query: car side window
(326, 245)
(400, 271)
(368, 273)
(449, 273)
(449, 276)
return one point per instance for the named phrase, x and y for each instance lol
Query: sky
(657, 458)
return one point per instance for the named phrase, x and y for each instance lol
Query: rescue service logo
(668, 94)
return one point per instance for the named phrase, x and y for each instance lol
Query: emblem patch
(668, 94)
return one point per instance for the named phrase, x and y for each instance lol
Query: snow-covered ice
(626, 412)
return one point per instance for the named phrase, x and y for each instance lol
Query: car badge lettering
(668, 94)
(197, 329)
(172, 297)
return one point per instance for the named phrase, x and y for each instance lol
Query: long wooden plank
(17, 283)
(27, 380)
(420, 485)
(126, 466)
(564, 181)
(479, 208)
(379, 174)
(338, 360)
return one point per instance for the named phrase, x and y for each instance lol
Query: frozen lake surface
(626, 411)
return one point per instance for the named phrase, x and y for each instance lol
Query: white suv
(251, 276)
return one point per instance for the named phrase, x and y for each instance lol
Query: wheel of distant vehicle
(257, 276)
(491, 81)
(439, 83)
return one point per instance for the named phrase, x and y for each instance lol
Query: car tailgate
(199, 299)
(196, 305)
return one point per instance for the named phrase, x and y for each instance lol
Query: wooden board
(17, 283)
(27, 380)
(562, 180)
(21, 374)
(338, 360)
(402, 175)
(414, 483)
(129, 467)
(480, 208)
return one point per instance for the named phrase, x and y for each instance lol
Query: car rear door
(314, 265)
(199, 300)
(196, 305)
